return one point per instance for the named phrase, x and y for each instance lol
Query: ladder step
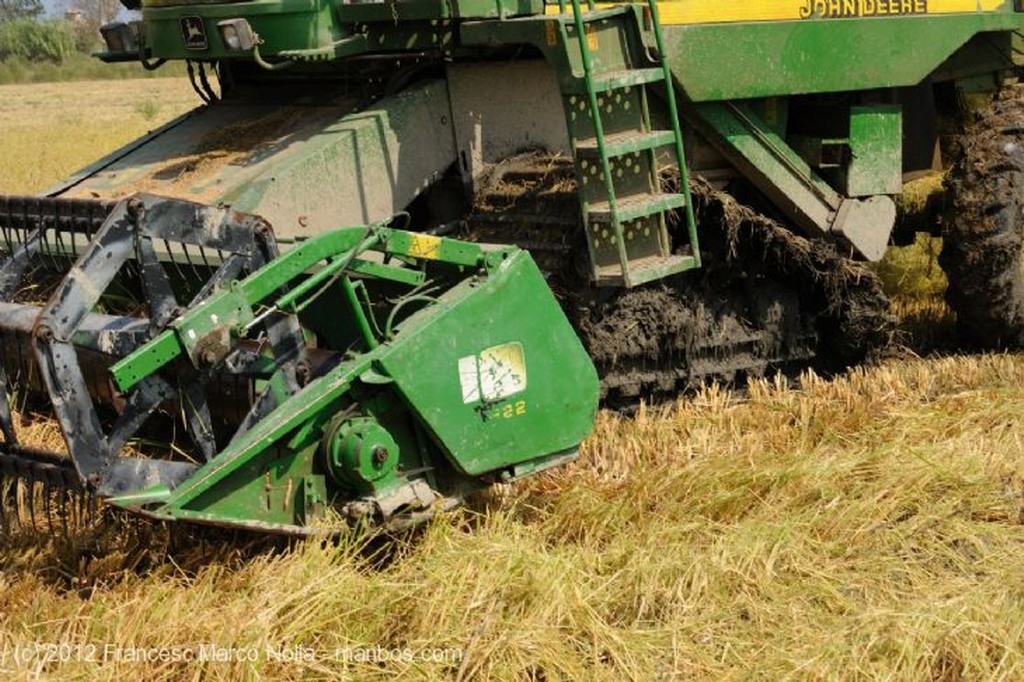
(628, 142)
(594, 15)
(635, 206)
(615, 80)
(644, 270)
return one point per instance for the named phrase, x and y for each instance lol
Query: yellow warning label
(425, 246)
(591, 31)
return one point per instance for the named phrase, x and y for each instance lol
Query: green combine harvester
(404, 248)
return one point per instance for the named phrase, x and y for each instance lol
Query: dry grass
(854, 529)
(48, 131)
(868, 527)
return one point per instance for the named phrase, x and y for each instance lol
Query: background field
(864, 527)
(50, 130)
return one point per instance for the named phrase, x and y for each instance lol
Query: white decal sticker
(498, 372)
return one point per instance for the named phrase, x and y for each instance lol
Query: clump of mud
(845, 296)
(529, 200)
(766, 300)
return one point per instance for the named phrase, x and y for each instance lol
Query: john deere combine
(298, 276)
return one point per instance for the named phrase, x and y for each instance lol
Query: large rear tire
(983, 253)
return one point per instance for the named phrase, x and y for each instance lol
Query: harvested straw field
(50, 130)
(867, 526)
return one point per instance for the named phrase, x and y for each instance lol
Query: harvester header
(441, 366)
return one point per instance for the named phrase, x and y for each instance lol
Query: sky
(54, 7)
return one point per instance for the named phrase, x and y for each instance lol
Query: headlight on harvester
(120, 37)
(237, 34)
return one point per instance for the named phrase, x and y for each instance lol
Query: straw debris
(862, 527)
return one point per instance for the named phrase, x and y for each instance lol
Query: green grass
(913, 271)
(916, 286)
(79, 67)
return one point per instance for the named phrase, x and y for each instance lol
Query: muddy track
(766, 300)
(983, 253)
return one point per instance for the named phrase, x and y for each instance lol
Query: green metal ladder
(615, 148)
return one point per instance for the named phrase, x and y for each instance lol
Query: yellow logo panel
(716, 11)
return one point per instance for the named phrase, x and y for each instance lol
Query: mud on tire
(983, 254)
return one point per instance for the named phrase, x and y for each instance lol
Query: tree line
(26, 34)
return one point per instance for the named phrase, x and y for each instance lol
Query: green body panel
(712, 61)
(876, 152)
(311, 30)
(282, 24)
(715, 62)
(772, 165)
(510, 391)
(766, 158)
